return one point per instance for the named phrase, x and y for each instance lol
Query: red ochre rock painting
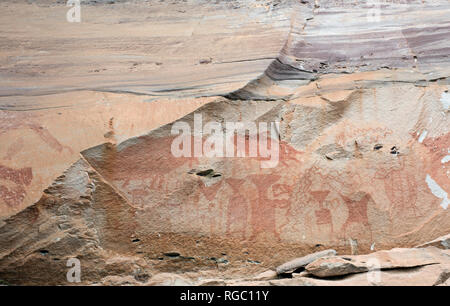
(302, 199)
(13, 183)
(357, 214)
(250, 203)
(343, 91)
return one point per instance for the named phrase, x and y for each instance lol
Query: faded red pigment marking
(286, 151)
(401, 189)
(263, 219)
(281, 189)
(306, 184)
(150, 157)
(157, 182)
(14, 196)
(371, 135)
(438, 145)
(284, 193)
(48, 138)
(320, 196)
(138, 196)
(357, 211)
(439, 148)
(153, 155)
(237, 210)
(15, 148)
(13, 122)
(323, 215)
(306, 198)
(209, 192)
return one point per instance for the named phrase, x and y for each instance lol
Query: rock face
(361, 110)
(302, 262)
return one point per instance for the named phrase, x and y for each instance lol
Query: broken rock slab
(168, 279)
(267, 275)
(294, 264)
(431, 275)
(382, 260)
(336, 266)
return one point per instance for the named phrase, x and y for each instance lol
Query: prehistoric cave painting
(438, 145)
(139, 195)
(401, 188)
(48, 138)
(322, 214)
(439, 149)
(12, 184)
(320, 196)
(357, 213)
(323, 217)
(313, 186)
(288, 154)
(326, 205)
(317, 213)
(148, 160)
(14, 148)
(435, 171)
(237, 210)
(281, 190)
